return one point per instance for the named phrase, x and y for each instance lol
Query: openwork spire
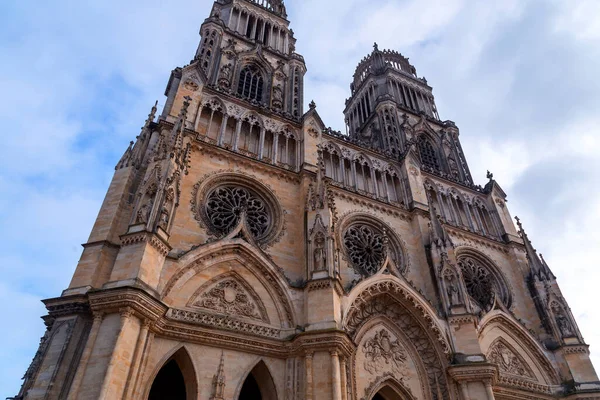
(539, 268)
(275, 6)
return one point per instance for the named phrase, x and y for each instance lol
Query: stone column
(464, 389)
(109, 391)
(489, 390)
(222, 130)
(275, 147)
(143, 362)
(344, 381)
(261, 143)
(85, 357)
(137, 358)
(309, 376)
(236, 138)
(335, 376)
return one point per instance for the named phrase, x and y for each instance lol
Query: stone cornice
(67, 305)
(367, 201)
(250, 163)
(476, 238)
(332, 340)
(146, 237)
(143, 304)
(474, 372)
(325, 283)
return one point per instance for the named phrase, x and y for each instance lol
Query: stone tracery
(225, 205)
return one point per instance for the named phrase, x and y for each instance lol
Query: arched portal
(387, 393)
(176, 380)
(258, 385)
(168, 384)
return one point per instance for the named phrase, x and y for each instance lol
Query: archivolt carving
(512, 329)
(387, 380)
(508, 360)
(240, 251)
(382, 349)
(230, 294)
(389, 300)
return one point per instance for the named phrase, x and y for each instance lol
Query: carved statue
(319, 252)
(163, 221)
(225, 75)
(453, 167)
(452, 289)
(381, 350)
(143, 212)
(277, 96)
(563, 323)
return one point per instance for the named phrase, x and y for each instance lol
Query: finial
(312, 105)
(152, 113)
(489, 175)
(519, 223)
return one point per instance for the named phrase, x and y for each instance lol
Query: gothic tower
(246, 251)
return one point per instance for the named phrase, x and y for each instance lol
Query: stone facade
(244, 250)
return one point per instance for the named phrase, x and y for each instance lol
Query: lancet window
(484, 285)
(359, 174)
(251, 83)
(455, 210)
(247, 135)
(258, 29)
(428, 154)
(207, 49)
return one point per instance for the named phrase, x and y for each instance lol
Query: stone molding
(475, 372)
(146, 237)
(326, 283)
(223, 322)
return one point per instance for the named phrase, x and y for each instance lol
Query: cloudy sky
(518, 77)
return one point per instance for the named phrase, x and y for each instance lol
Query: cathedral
(246, 251)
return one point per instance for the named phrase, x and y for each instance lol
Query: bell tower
(244, 250)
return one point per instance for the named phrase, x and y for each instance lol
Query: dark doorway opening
(168, 384)
(250, 389)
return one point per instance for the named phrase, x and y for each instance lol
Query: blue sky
(518, 77)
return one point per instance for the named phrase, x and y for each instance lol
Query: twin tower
(246, 251)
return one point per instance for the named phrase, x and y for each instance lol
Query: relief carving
(232, 296)
(508, 361)
(381, 351)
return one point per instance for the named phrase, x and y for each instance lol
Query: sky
(519, 78)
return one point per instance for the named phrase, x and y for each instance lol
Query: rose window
(365, 248)
(225, 205)
(480, 283)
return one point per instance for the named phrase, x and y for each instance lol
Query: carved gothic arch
(393, 298)
(180, 354)
(503, 284)
(509, 328)
(252, 303)
(264, 378)
(220, 178)
(383, 323)
(389, 388)
(252, 114)
(396, 241)
(252, 258)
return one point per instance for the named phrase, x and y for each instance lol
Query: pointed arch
(388, 388)
(498, 282)
(258, 384)
(498, 325)
(390, 297)
(256, 262)
(174, 373)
